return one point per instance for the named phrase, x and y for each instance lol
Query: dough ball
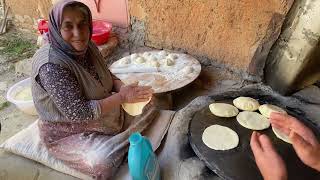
(267, 109)
(154, 63)
(173, 56)
(140, 60)
(281, 135)
(134, 56)
(223, 110)
(146, 54)
(169, 62)
(153, 58)
(188, 70)
(246, 103)
(219, 137)
(124, 61)
(163, 53)
(253, 120)
(134, 109)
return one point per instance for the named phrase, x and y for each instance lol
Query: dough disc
(253, 120)
(281, 135)
(220, 137)
(223, 110)
(246, 103)
(267, 109)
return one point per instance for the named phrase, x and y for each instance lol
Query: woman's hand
(268, 160)
(133, 93)
(303, 140)
(117, 84)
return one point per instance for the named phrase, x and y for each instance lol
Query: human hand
(133, 93)
(303, 140)
(268, 160)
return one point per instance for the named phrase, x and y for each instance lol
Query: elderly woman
(78, 99)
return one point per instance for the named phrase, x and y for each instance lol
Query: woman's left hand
(133, 93)
(270, 164)
(117, 84)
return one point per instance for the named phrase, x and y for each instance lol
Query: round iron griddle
(239, 163)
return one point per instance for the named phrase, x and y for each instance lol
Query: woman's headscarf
(55, 22)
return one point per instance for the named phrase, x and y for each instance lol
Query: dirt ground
(12, 119)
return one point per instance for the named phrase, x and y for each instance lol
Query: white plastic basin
(26, 106)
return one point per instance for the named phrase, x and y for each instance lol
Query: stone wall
(236, 33)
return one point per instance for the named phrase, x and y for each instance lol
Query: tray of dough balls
(220, 136)
(163, 70)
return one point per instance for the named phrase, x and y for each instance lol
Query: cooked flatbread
(267, 109)
(246, 103)
(253, 120)
(223, 110)
(220, 137)
(281, 135)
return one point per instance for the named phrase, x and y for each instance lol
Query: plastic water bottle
(143, 163)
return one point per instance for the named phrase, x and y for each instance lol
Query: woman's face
(75, 29)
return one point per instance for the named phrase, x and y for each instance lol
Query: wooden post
(3, 24)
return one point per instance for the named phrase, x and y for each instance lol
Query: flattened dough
(223, 110)
(267, 109)
(246, 103)
(135, 109)
(281, 135)
(220, 137)
(253, 120)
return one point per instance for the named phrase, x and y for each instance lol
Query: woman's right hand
(303, 140)
(133, 93)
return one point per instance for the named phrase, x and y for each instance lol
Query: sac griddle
(239, 163)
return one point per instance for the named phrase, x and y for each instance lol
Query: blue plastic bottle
(143, 163)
